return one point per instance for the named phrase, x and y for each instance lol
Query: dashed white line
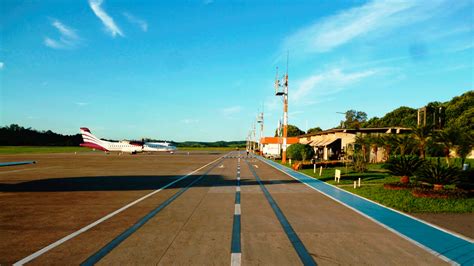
(235, 259)
(237, 209)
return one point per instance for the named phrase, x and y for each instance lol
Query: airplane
(133, 147)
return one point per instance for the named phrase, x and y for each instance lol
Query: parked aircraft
(133, 147)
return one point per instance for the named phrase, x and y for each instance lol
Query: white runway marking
(108, 216)
(237, 189)
(235, 259)
(237, 209)
(21, 170)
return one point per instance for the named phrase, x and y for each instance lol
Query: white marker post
(358, 182)
(320, 170)
(314, 170)
(355, 184)
(290, 161)
(337, 176)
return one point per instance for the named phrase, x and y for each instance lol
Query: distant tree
(293, 131)
(300, 152)
(460, 111)
(354, 119)
(314, 130)
(400, 117)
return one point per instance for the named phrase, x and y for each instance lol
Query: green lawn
(40, 149)
(372, 188)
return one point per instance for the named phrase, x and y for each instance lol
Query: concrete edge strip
(298, 245)
(108, 216)
(96, 257)
(235, 243)
(376, 221)
(17, 163)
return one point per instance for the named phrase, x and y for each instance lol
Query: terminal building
(333, 144)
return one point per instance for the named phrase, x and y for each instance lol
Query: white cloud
(333, 31)
(138, 21)
(68, 37)
(81, 104)
(108, 21)
(329, 82)
(188, 121)
(232, 110)
(2, 65)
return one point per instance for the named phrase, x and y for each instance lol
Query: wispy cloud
(188, 121)
(68, 37)
(81, 104)
(333, 31)
(138, 21)
(232, 110)
(327, 83)
(110, 26)
(2, 65)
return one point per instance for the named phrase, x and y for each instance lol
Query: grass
(372, 188)
(40, 149)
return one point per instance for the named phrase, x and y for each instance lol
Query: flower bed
(440, 194)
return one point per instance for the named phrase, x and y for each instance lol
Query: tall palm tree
(403, 143)
(363, 142)
(448, 138)
(464, 145)
(375, 141)
(388, 141)
(422, 134)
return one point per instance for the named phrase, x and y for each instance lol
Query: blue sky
(202, 70)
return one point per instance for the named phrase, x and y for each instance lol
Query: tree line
(456, 113)
(15, 135)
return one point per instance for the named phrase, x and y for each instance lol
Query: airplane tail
(91, 141)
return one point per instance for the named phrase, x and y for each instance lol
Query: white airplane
(133, 147)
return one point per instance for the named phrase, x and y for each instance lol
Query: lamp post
(284, 94)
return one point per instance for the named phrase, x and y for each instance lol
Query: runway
(206, 208)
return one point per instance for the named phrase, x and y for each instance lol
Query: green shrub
(359, 163)
(403, 165)
(300, 152)
(438, 173)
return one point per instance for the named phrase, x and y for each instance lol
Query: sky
(203, 70)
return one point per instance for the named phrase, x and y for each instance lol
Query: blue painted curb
(448, 246)
(17, 163)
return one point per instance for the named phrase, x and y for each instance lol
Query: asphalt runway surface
(181, 209)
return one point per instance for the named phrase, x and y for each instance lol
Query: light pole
(284, 94)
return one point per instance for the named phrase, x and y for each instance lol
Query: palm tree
(422, 134)
(464, 145)
(363, 142)
(403, 144)
(375, 141)
(387, 141)
(403, 166)
(448, 138)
